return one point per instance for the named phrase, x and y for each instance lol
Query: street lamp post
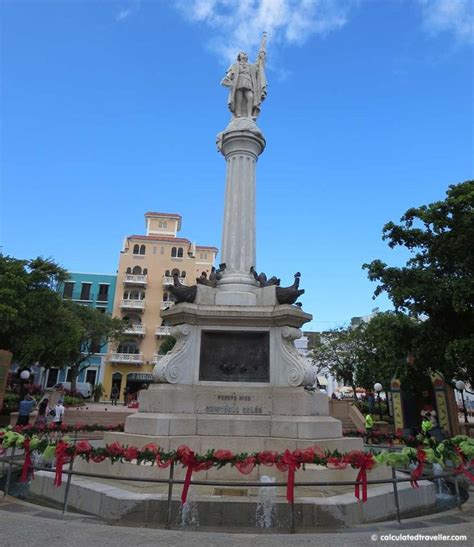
(24, 377)
(460, 386)
(378, 388)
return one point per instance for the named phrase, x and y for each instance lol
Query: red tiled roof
(161, 238)
(172, 215)
(208, 248)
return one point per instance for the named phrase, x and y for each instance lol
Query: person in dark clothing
(26, 407)
(115, 395)
(126, 393)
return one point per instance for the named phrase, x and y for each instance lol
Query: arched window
(183, 274)
(136, 295)
(167, 273)
(129, 270)
(145, 271)
(165, 297)
(125, 295)
(173, 252)
(180, 252)
(136, 270)
(174, 271)
(136, 249)
(142, 249)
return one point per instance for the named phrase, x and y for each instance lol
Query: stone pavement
(23, 523)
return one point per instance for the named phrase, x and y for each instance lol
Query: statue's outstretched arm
(227, 79)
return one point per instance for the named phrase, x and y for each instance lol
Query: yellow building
(146, 266)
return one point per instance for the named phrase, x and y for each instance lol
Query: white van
(84, 389)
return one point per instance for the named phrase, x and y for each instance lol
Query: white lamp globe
(24, 374)
(378, 387)
(460, 385)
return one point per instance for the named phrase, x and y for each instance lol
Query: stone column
(241, 144)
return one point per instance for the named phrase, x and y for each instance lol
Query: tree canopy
(436, 285)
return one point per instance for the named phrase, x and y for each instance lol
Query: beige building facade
(146, 266)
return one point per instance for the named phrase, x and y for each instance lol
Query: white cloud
(238, 24)
(453, 16)
(125, 12)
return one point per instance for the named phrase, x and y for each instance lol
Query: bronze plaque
(234, 356)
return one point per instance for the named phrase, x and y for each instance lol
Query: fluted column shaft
(241, 150)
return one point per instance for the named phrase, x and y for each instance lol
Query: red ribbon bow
(60, 452)
(362, 462)
(418, 472)
(28, 463)
(289, 462)
(461, 468)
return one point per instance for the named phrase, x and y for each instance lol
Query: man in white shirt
(58, 413)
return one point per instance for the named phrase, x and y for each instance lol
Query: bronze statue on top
(262, 278)
(182, 293)
(214, 276)
(289, 295)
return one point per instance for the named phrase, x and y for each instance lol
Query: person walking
(58, 413)
(114, 394)
(26, 407)
(43, 411)
(369, 426)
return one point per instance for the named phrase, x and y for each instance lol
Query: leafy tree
(436, 286)
(385, 348)
(30, 309)
(338, 354)
(92, 331)
(167, 345)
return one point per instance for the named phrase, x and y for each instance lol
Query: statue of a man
(247, 83)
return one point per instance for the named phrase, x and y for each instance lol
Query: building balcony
(163, 331)
(129, 358)
(131, 304)
(134, 279)
(166, 304)
(138, 330)
(167, 281)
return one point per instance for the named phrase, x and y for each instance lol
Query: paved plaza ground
(26, 524)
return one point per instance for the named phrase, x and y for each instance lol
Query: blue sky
(110, 109)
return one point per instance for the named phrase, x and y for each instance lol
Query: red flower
(98, 458)
(131, 453)
(115, 449)
(305, 455)
(223, 455)
(151, 447)
(267, 457)
(83, 447)
(246, 465)
(336, 463)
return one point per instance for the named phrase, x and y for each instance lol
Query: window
(167, 273)
(103, 295)
(136, 249)
(129, 270)
(137, 270)
(183, 274)
(68, 375)
(165, 297)
(154, 249)
(85, 291)
(162, 251)
(180, 252)
(175, 271)
(52, 377)
(174, 252)
(142, 249)
(162, 224)
(91, 376)
(128, 346)
(145, 271)
(68, 288)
